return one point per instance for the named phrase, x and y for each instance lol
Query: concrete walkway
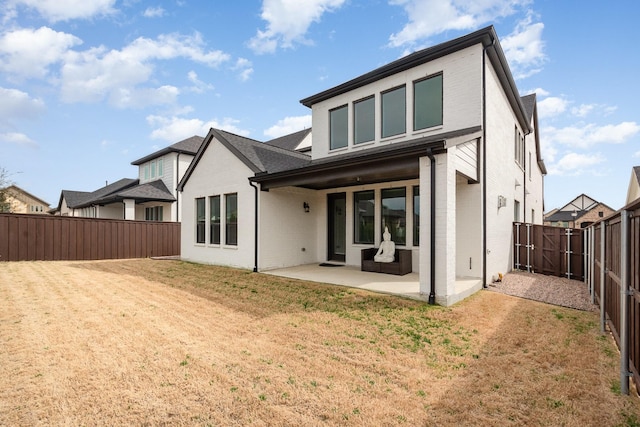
(345, 275)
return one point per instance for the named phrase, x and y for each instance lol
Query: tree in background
(5, 182)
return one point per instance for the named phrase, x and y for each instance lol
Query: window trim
(199, 223)
(211, 221)
(229, 223)
(355, 119)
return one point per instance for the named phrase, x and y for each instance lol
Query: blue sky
(88, 86)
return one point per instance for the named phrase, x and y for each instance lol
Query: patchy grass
(168, 342)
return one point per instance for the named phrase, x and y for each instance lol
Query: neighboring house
(437, 146)
(633, 193)
(581, 212)
(151, 197)
(17, 200)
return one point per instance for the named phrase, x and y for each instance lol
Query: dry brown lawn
(143, 342)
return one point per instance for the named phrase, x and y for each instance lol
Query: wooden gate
(553, 251)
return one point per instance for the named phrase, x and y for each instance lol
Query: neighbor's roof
(187, 146)
(150, 191)
(80, 199)
(256, 155)
(291, 141)
(486, 36)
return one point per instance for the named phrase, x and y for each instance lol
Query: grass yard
(143, 342)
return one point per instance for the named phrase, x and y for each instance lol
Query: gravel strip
(548, 289)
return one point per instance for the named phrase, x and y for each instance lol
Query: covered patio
(407, 286)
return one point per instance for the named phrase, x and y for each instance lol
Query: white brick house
(437, 146)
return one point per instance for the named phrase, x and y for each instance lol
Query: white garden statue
(387, 248)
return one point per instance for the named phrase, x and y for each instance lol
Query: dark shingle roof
(290, 142)
(529, 103)
(155, 190)
(187, 146)
(79, 199)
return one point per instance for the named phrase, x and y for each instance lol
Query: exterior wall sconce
(305, 205)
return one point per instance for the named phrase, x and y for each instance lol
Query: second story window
(153, 169)
(160, 167)
(364, 113)
(427, 102)
(338, 124)
(394, 111)
(519, 147)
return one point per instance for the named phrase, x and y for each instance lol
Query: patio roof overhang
(395, 162)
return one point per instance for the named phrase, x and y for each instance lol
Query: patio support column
(129, 209)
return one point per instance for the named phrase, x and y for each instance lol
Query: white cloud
(551, 107)
(140, 98)
(28, 53)
(588, 135)
(154, 12)
(92, 75)
(173, 129)
(198, 85)
(15, 104)
(17, 138)
(575, 164)
(583, 110)
(288, 125)
(288, 22)
(64, 10)
(524, 48)
(245, 67)
(431, 17)
(636, 154)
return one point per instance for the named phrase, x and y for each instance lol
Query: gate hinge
(630, 292)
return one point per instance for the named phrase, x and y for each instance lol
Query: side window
(200, 220)
(214, 220)
(338, 124)
(394, 112)
(427, 103)
(231, 219)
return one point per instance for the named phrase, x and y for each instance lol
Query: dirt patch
(146, 342)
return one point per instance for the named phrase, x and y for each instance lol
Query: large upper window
(231, 219)
(363, 205)
(214, 220)
(394, 213)
(200, 220)
(364, 113)
(394, 111)
(338, 124)
(427, 102)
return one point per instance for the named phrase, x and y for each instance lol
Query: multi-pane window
(153, 169)
(394, 213)
(364, 113)
(338, 124)
(416, 216)
(146, 171)
(153, 213)
(231, 219)
(200, 220)
(214, 220)
(160, 167)
(427, 102)
(394, 112)
(364, 212)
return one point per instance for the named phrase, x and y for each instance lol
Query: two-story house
(438, 147)
(17, 200)
(153, 196)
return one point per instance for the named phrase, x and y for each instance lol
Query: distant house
(579, 213)
(18, 200)
(633, 193)
(150, 197)
(438, 147)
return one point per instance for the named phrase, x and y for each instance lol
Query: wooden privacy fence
(53, 238)
(613, 278)
(553, 251)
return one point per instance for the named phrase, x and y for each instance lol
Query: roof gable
(186, 146)
(290, 142)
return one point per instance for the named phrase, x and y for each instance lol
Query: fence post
(568, 234)
(624, 302)
(592, 262)
(603, 312)
(517, 246)
(528, 248)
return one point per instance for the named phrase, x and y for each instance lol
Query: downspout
(255, 227)
(177, 184)
(484, 164)
(432, 226)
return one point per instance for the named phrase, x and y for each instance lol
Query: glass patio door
(337, 226)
